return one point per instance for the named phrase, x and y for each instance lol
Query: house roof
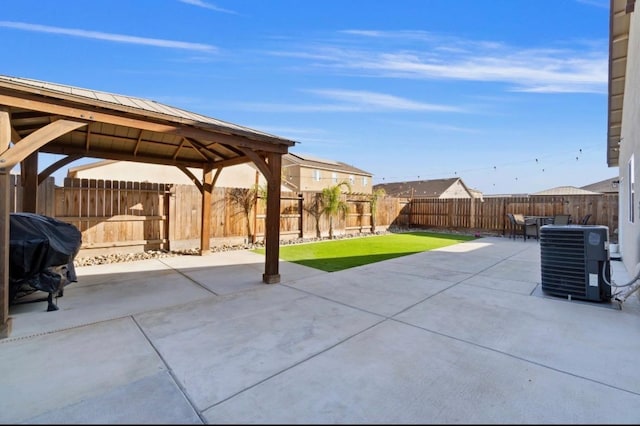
(89, 166)
(565, 190)
(604, 186)
(419, 188)
(90, 123)
(311, 161)
(618, 46)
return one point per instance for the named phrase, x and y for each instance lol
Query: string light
(503, 166)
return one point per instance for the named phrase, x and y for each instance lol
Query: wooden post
(472, 213)
(301, 213)
(411, 205)
(207, 188)
(255, 209)
(166, 213)
(29, 172)
(5, 320)
(5, 138)
(272, 226)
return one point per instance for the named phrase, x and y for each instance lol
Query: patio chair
(522, 226)
(561, 219)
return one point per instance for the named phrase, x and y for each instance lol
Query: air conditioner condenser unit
(575, 261)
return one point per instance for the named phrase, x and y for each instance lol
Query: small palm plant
(332, 203)
(246, 199)
(315, 210)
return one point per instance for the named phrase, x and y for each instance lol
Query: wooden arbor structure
(37, 116)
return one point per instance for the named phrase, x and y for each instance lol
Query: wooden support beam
(5, 138)
(56, 166)
(259, 162)
(272, 227)
(111, 155)
(29, 181)
(138, 142)
(87, 139)
(36, 140)
(194, 179)
(205, 228)
(177, 151)
(201, 150)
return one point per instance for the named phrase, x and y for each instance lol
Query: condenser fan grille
(571, 257)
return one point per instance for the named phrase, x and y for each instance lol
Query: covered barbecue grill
(42, 250)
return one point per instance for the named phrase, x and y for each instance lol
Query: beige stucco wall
(303, 178)
(457, 190)
(629, 233)
(239, 176)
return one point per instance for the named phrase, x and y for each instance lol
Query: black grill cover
(36, 244)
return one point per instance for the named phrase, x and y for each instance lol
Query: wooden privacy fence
(490, 215)
(133, 216)
(46, 195)
(112, 214)
(230, 224)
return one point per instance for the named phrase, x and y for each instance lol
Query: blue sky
(509, 95)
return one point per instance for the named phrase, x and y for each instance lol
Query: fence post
(301, 214)
(472, 213)
(166, 213)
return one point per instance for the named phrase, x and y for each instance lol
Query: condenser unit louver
(575, 261)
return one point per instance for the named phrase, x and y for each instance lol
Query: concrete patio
(461, 334)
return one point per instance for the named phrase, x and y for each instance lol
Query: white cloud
(379, 101)
(604, 4)
(350, 101)
(118, 38)
(420, 55)
(206, 5)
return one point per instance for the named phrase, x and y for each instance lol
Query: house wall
(308, 182)
(291, 175)
(238, 176)
(457, 190)
(629, 232)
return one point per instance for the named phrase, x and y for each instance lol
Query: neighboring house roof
(505, 195)
(605, 186)
(311, 161)
(565, 190)
(420, 188)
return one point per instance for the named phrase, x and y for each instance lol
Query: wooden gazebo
(37, 116)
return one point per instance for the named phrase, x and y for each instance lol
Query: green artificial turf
(336, 255)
